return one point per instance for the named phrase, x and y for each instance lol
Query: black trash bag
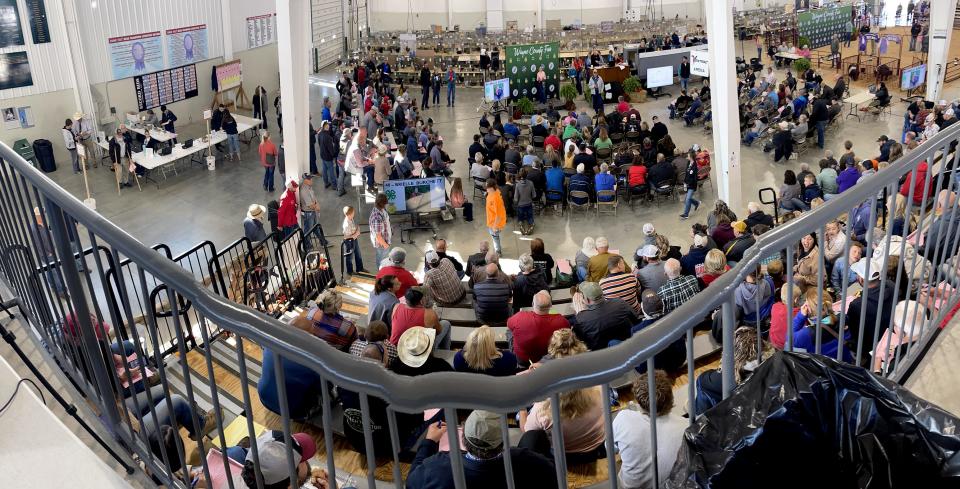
(807, 421)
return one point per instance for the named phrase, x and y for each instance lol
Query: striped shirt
(623, 286)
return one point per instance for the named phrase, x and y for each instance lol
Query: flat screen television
(913, 77)
(496, 90)
(415, 195)
(661, 76)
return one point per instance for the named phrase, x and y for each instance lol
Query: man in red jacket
(287, 215)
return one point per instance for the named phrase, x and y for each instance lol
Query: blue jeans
(598, 103)
(821, 126)
(582, 273)
(233, 142)
(329, 173)
(525, 214)
(342, 177)
(268, 177)
(381, 255)
(690, 201)
(495, 234)
(794, 205)
(451, 94)
(309, 221)
(181, 412)
(443, 339)
(352, 247)
(368, 173)
(684, 82)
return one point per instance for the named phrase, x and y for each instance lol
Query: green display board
(821, 24)
(523, 62)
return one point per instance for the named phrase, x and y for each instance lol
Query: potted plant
(803, 41)
(568, 92)
(800, 66)
(522, 106)
(631, 85)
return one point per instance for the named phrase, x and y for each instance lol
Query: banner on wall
(261, 30)
(186, 45)
(820, 25)
(39, 25)
(11, 34)
(166, 86)
(523, 62)
(229, 75)
(15, 70)
(135, 54)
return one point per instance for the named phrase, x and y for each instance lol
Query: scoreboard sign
(820, 25)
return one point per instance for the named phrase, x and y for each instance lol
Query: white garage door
(327, 20)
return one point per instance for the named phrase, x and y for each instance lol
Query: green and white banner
(821, 24)
(523, 62)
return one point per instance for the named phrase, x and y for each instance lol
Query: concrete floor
(203, 205)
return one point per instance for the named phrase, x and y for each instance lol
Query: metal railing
(63, 298)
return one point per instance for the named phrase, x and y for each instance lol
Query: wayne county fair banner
(523, 62)
(821, 24)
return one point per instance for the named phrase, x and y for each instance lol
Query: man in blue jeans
(328, 155)
(690, 181)
(309, 207)
(819, 116)
(451, 87)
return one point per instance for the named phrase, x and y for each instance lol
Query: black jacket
(819, 112)
(690, 175)
(758, 217)
(117, 152)
(735, 249)
(661, 173)
(328, 147)
(432, 470)
(611, 319)
(659, 130)
(525, 286)
(424, 78)
(684, 70)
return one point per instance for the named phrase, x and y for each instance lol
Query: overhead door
(327, 22)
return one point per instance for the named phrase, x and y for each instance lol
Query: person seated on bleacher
(602, 320)
(678, 288)
(742, 241)
(527, 283)
(324, 321)
(757, 216)
(481, 356)
(480, 271)
(375, 334)
(631, 432)
(936, 242)
(394, 265)
(805, 327)
(529, 332)
(304, 387)
(483, 465)
(478, 259)
(709, 385)
(581, 411)
(415, 351)
(597, 265)
(582, 183)
(440, 247)
(273, 456)
(442, 281)
(619, 283)
(753, 293)
(414, 312)
(878, 307)
(492, 296)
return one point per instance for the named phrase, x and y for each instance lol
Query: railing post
(81, 314)
(726, 357)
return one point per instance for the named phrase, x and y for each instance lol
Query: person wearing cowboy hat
(415, 352)
(483, 465)
(83, 134)
(253, 223)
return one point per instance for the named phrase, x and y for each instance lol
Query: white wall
(112, 18)
(239, 11)
(49, 111)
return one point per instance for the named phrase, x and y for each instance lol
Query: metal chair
(665, 190)
(538, 141)
(554, 199)
(610, 204)
(704, 175)
(617, 138)
(633, 136)
(604, 154)
(578, 194)
(479, 186)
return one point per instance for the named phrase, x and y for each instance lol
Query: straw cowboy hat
(257, 211)
(415, 346)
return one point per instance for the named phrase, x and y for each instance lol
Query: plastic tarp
(807, 421)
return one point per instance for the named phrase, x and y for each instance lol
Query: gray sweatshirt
(524, 193)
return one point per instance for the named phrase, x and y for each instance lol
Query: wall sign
(39, 26)
(229, 75)
(523, 62)
(15, 70)
(699, 63)
(166, 86)
(186, 45)
(135, 54)
(11, 34)
(261, 30)
(821, 24)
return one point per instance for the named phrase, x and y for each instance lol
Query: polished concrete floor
(200, 205)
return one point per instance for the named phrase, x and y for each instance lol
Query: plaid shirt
(336, 330)
(444, 283)
(677, 291)
(380, 225)
(389, 349)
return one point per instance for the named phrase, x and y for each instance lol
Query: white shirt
(631, 436)
(596, 85)
(355, 156)
(478, 170)
(68, 140)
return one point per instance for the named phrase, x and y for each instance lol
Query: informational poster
(26, 117)
(699, 63)
(11, 34)
(408, 43)
(10, 120)
(135, 54)
(186, 45)
(166, 86)
(39, 25)
(523, 62)
(820, 25)
(261, 30)
(229, 75)
(15, 70)
(606, 26)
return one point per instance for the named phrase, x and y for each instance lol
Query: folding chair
(578, 194)
(610, 204)
(479, 187)
(665, 190)
(554, 199)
